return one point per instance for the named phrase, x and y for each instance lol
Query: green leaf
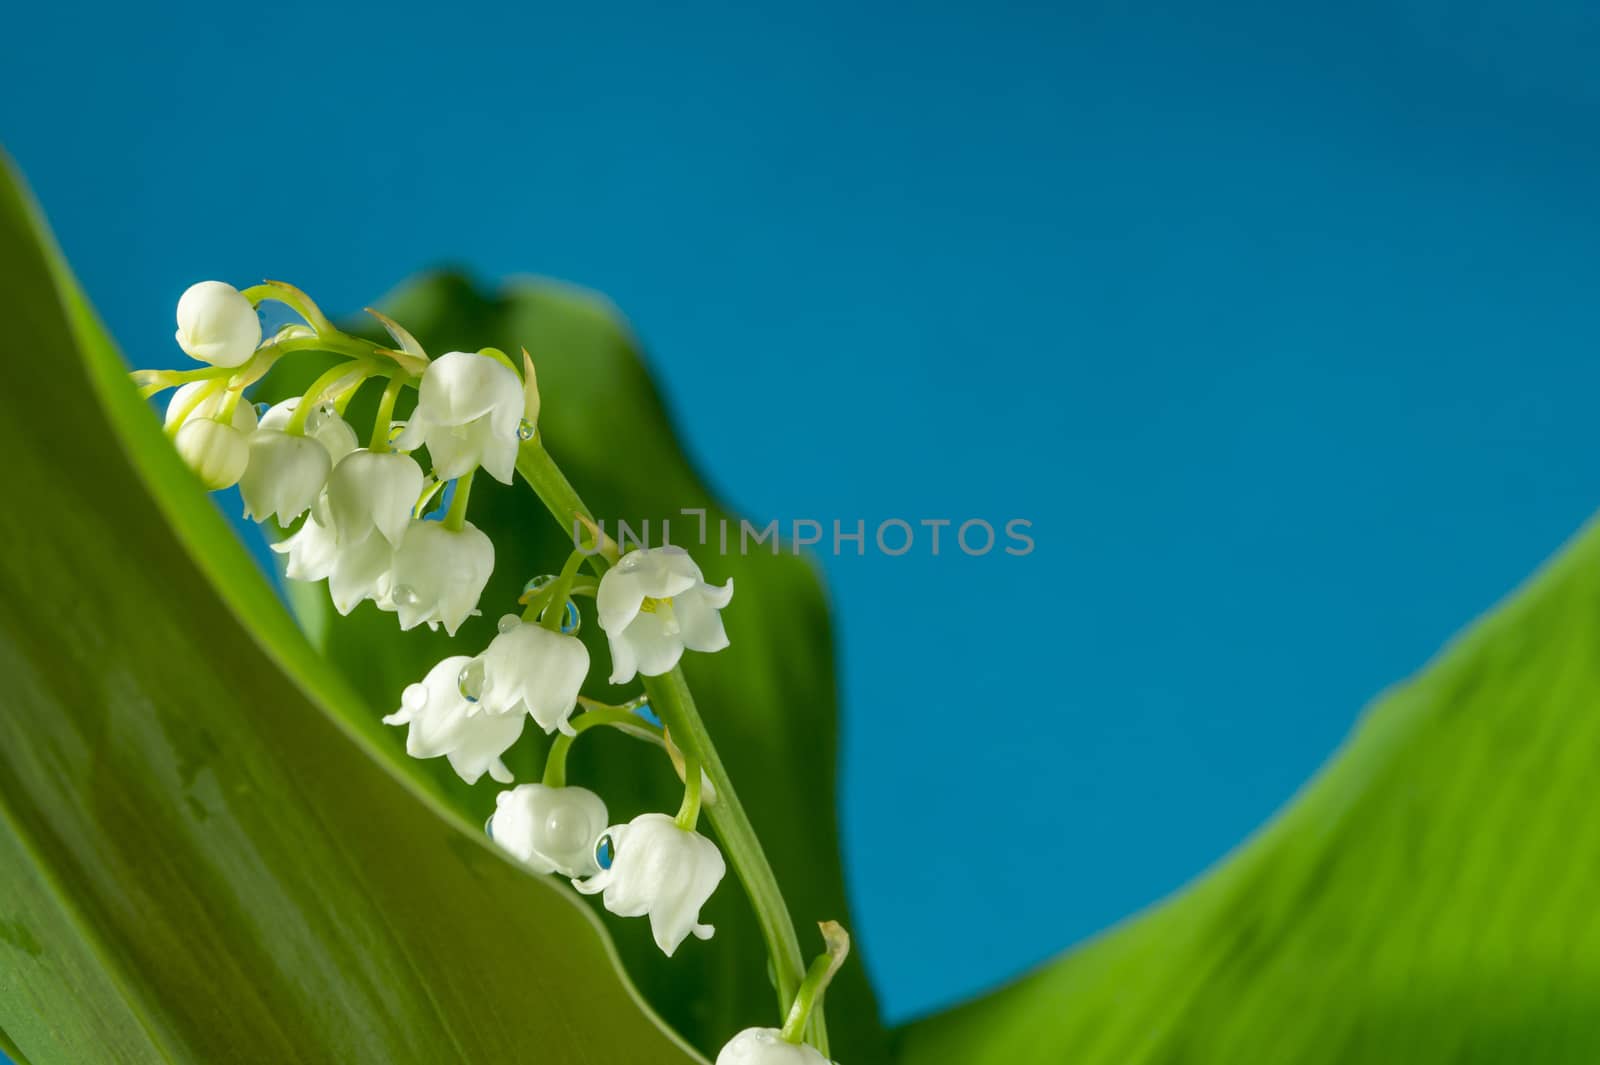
(769, 700)
(1430, 898)
(201, 860)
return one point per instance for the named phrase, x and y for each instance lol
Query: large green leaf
(1431, 898)
(769, 700)
(201, 860)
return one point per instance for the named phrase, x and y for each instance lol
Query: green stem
(673, 703)
(456, 516)
(689, 811)
(379, 441)
(313, 395)
(555, 763)
(554, 613)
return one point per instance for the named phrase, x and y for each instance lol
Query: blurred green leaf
(1429, 899)
(769, 700)
(201, 858)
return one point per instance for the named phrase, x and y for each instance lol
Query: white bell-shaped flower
(653, 604)
(216, 324)
(354, 572)
(468, 410)
(660, 870)
(219, 452)
(766, 1046)
(313, 552)
(439, 573)
(324, 425)
(528, 668)
(285, 476)
(441, 724)
(370, 490)
(550, 830)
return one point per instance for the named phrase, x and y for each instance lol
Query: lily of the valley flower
(286, 474)
(370, 490)
(439, 573)
(218, 451)
(550, 830)
(653, 604)
(441, 724)
(216, 324)
(468, 410)
(660, 870)
(354, 572)
(766, 1046)
(528, 668)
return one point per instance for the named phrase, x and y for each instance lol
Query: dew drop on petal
(525, 430)
(630, 562)
(415, 697)
(470, 680)
(605, 852)
(405, 595)
(508, 622)
(488, 827)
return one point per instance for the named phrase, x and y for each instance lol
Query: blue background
(1280, 326)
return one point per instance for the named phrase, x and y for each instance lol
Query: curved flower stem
(673, 703)
(379, 442)
(314, 395)
(555, 763)
(689, 812)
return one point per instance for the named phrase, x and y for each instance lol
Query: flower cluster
(358, 517)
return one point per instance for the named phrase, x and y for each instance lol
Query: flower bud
(660, 870)
(439, 573)
(766, 1046)
(216, 324)
(441, 724)
(550, 830)
(218, 453)
(286, 475)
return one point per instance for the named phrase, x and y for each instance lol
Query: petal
(699, 624)
(618, 601)
(655, 647)
(459, 387)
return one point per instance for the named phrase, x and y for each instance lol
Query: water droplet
(525, 430)
(395, 429)
(630, 562)
(508, 622)
(414, 698)
(488, 827)
(405, 595)
(573, 621)
(470, 682)
(538, 584)
(605, 852)
(262, 408)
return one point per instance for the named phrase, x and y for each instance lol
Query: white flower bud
(441, 724)
(216, 324)
(218, 453)
(468, 410)
(653, 604)
(372, 490)
(550, 830)
(660, 870)
(529, 669)
(766, 1046)
(286, 475)
(439, 573)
